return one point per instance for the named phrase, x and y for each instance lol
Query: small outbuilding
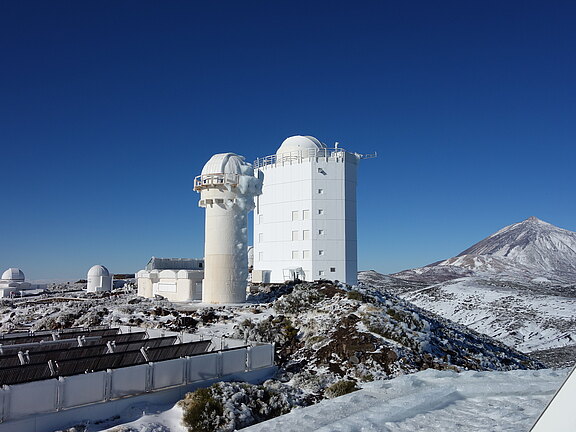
(99, 279)
(177, 279)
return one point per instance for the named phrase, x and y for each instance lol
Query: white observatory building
(305, 218)
(13, 282)
(227, 187)
(99, 279)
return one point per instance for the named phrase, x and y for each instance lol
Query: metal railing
(337, 153)
(216, 179)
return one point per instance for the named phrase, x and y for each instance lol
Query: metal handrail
(216, 179)
(299, 155)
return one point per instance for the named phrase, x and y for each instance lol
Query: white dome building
(227, 189)
(305, 220)
(99, 279)
(13, 282)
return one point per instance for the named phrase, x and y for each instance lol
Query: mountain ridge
(517, 285)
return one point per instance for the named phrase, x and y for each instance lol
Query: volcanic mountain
(531, 248)
(517, 285)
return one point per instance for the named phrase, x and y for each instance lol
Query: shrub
(354, 295)
(202, 413)
(341, 388)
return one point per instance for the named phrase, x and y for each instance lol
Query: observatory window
(305, 214)
(320, 252)
(294, 235)
(306, 235)
(320, 191)
(320, 211)
(260, 237)
(321, 273)
(295, 215)
(320, 232)
(306, 254)
(332, 269)
(295, 254)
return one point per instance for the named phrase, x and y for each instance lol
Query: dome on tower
(98, 270)
(299, 142)
(13, 274)
(225, 163)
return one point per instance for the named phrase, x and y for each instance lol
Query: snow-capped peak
(532, 243)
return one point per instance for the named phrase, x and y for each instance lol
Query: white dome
(98, 270)
(299, 142)
(13, 274)
(224, 163)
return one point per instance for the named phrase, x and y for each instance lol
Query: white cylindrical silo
(227, 189)
(99, 279)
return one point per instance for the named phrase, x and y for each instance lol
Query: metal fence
(67, 392)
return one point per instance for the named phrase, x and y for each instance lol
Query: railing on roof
(217, 179)
(336, 153)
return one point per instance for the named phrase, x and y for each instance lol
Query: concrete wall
(21, 404)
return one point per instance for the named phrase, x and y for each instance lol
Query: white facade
(305, 219)
(99, 279)
(176, 279)
(174, 285)
(227, 188)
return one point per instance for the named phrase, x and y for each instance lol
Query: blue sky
(108, 109)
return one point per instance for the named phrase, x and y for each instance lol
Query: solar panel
(101, 348)
(94, 358)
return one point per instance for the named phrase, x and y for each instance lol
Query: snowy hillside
(329, 339)
(518, 286)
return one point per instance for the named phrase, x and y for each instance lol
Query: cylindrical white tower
(99, 279)
(227, 189)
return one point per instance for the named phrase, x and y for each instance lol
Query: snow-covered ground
(430, 400)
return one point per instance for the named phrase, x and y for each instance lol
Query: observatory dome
(13, 274)
(224, 163)
(98, 270)
(299, 142)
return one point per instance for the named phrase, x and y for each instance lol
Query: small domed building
(13, 282)
(99, 279)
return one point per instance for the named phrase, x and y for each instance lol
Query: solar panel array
(101, 349)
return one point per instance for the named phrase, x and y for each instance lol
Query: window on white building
(306, 235)
(260, 256)
(320, 191)
(260, 218)
(320, 211)
(260, 237)
(332, 269)
(294, 235)
(320, 232)
(320, 252)
(321, 273)
(295, 215)
(305, 214)
(306, 254)
(295, 254)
